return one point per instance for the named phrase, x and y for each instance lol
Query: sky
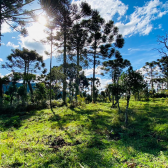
(140, 22)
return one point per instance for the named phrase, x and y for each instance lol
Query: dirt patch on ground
(58, 142)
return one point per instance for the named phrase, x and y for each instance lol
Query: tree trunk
(91, 88)
(0, 21)
(64, 63)
(1, 95)
(94, 66)
(138, 96)
(11, 99)
(77, 79)
(126, 111)
(118, 96)
(50, 68)
(1, 92)
(151, 78)
(31, 90)
(70, 91)
(109, 96)
(112, 101)
(119, 107)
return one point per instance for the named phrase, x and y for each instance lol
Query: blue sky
(140, 22)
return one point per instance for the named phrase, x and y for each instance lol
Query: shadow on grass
(82, 156)
(88, 153)
(15, 120)
(143, 134)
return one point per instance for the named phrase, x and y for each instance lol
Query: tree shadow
(89, 153)
(15, 120)
(142, 134)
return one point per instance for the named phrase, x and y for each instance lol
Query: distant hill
(5, 87)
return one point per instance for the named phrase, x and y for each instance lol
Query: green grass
(93, 137)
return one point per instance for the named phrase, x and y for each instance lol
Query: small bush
(88, 99)
(81, 101)
(73, 104)
(54, 103)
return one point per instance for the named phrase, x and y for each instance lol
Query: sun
(42, 20)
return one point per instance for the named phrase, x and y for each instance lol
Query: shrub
(81, 101)
(88, 99)
(54, 103)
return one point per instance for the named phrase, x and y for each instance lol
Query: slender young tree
(115, 67)
(131, 81)
(163, 65)
(77, 40)
(151, 69)
(103, 39)
(163, 62)
(76, 43)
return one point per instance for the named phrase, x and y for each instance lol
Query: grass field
(91, 137)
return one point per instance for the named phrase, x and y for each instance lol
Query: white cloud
(9, 44)
(104, 83)
(89, 72)
(13, 37)
(157, 74)
(5, 28)
(1, 60)
(162, 13)
(142, 48)
(144, 71)
(107, 8)
(160, 26)
(140, 20)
